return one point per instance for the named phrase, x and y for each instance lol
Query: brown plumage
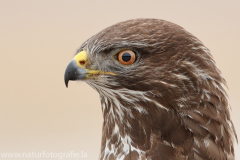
(170, 104)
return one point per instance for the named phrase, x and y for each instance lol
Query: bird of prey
(162, 96)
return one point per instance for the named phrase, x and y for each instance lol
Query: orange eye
(127, 57)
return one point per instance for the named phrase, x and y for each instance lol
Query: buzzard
(161, 93)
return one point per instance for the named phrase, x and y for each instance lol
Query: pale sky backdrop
(38, 38)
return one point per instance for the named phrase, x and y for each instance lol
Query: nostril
(82, 62)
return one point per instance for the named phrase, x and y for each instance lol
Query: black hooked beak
(74, 72)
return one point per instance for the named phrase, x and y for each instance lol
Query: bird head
(146, 57)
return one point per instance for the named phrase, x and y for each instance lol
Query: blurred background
(39, 38)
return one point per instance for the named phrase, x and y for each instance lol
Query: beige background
(39, 37)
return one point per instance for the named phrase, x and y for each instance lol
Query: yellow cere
(82, 57)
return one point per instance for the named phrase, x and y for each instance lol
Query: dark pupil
(126, 57)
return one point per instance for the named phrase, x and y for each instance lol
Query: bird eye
(126, 57)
